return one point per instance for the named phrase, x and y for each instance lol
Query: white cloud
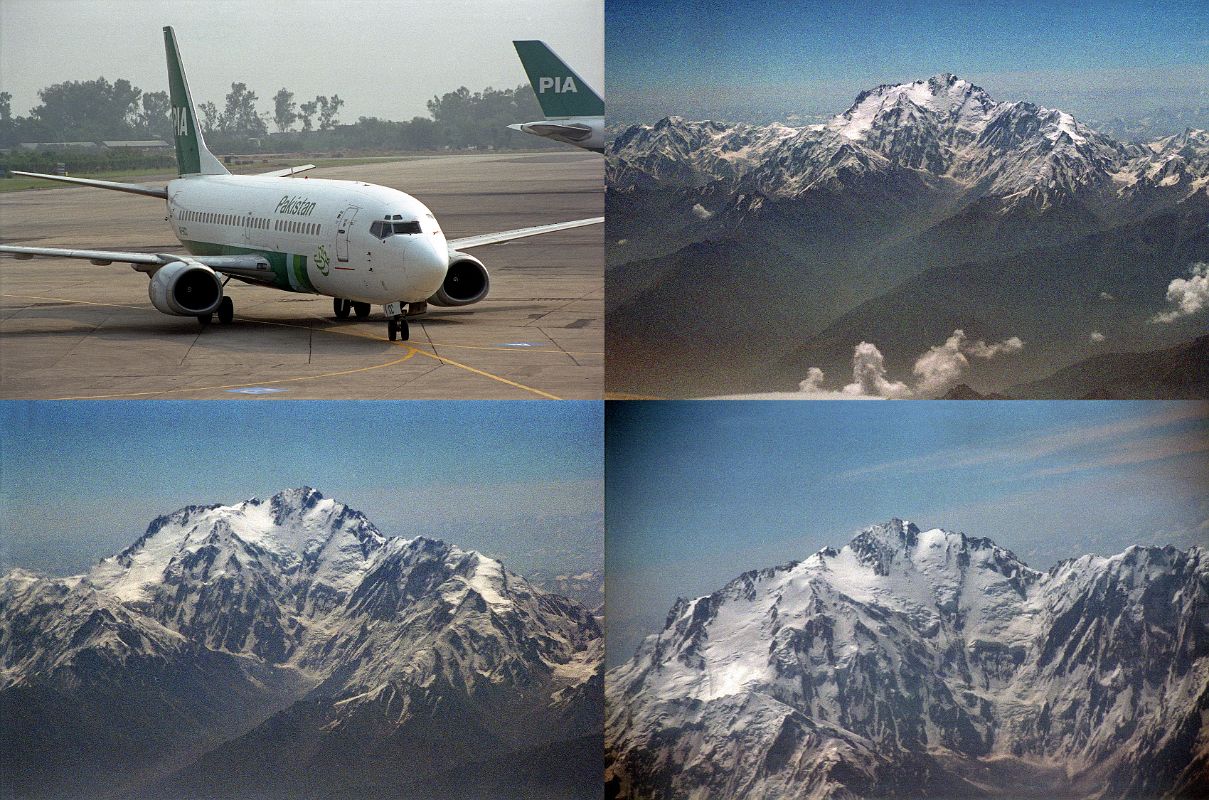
(981, 349)
(1106, 296)
(701, 212)
(869, 375)
(1189, 295)
(813, 382)
(1097, 337)
(936, 371)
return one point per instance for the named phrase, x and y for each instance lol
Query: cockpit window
(385, 228)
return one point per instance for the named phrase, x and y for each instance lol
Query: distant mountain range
(739, 256)
(285, 648)
(917, 663)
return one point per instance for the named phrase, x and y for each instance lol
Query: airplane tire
(392, 330)
(226, 311)
(341, 307)
(404, 330)
(361, 310)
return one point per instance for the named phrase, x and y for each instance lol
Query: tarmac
(73, 330)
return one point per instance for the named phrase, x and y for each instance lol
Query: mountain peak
(943, 96)
(293, 527)
(298, 495)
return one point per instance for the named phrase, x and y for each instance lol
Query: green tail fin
(559, 90)
(192, 155)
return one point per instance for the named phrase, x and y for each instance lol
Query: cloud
(1106, 296)
(981, 349)
(1189, 295)
(813, 382)
(936, 371)
(701, 212)
(1097, 337)
(869, 375)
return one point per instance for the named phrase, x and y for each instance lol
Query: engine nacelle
(185, 288)
(466, 282)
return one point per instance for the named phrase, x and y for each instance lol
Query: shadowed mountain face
(286, 648)
(1176, 373)
(740, 256)
(924, 664)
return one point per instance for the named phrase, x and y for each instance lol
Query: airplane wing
(252, 267)
(519, 233)
(132, 188)
(285, 173)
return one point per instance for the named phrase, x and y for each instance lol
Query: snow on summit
(941, 94)
(290, 526)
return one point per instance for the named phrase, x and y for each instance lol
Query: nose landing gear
(396, 321)
(398, 328)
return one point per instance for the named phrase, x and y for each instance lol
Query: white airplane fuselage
(315, 233)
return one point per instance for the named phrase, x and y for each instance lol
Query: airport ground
(70, 329)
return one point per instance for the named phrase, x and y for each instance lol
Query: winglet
(560, 92)
(192, 155)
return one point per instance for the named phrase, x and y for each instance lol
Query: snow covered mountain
(923, 208)
(943, 127)
(335, 638)
(917, 663)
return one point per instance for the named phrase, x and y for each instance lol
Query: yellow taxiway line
(412, 350)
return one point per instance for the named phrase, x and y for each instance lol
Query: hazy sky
(81, 480)
(384, 59)
(699, 492)
(764, 60)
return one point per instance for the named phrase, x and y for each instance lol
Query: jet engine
(466, 282)
(185, 288)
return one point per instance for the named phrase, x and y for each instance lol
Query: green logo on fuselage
(295, 205)
(322, 260)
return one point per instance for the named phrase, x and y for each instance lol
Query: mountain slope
(1176, 373)
(1053, 297)
(923, 663)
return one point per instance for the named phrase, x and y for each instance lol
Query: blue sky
(81, 480)
(698, 492)
(767, 59)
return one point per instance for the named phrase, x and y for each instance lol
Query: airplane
(575, 113)
(355, 242)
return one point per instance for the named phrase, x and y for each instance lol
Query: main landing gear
(341, 307)
(225, 311)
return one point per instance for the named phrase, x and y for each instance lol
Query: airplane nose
(426, 261)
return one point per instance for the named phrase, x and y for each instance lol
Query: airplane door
(344, 224)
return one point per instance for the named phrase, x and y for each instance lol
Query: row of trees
(98, 110)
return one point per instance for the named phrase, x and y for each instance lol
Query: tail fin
(559, 90)
(192, 155)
